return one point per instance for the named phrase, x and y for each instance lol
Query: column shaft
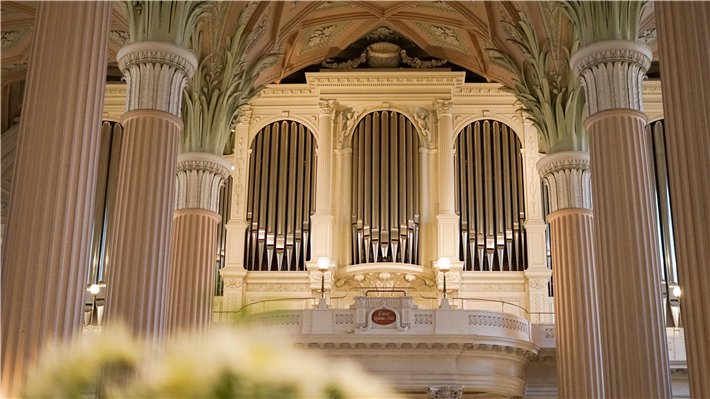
(633, 335)
(579, 360)
(46, 258)
(627, 258)
(193, 254)
(192, 270)
(579, 352)
(684, 34)
(137, 278)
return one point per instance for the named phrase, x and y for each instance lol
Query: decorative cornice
(568, 179)
(199, 177)
(611, 73)
(156, 74)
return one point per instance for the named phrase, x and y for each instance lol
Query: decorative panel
(281, 197)
(385, 203)
(489, 197)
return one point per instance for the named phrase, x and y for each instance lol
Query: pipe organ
(106, 182)
(655, 134)
(281, 198)
(225, 209)
(489, 197)
(385, 187)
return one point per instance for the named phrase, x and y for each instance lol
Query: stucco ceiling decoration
(308, 32)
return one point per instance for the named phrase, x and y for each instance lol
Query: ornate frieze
(278, 287)
(568, 179)
(611, 73)
(156, 74)
(199, 178)
(491, 287)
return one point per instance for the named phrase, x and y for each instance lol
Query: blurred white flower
(224, 363)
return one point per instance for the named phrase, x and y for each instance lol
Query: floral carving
(568, 179)
(198, 182)
(233, 283)
(538, 284)
(120, 37)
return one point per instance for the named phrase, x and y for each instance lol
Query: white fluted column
(137, 278)
(46, 253)
(322, 219)
(192, 259)
(429, 200)
(342, 205)
(447, 220)
(625, 233)
(233, 273)
(579, 357)
(683, 37)
(537, 273)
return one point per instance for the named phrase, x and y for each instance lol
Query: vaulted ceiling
(307, 32)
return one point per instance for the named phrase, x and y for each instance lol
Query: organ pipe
(281, 197)
(106, 183)
(385, 219)
(490, 197)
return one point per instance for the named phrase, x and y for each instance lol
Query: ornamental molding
(612, 73)
(156, 74)
(444, 35)
(648, 36)
(385, 278)
(538, 284)
(10, 39)
(198, 179)
(499, 321)
(322, 35)
(491, 287)
(526, 354)
(279, 287)
(415, 80)
(233, 283)
(568, 179)
(445, 392)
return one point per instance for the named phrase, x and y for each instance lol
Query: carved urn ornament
(383, 54)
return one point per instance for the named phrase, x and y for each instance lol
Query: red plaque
(383, 317)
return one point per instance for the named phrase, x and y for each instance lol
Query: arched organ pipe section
(385, 186)
(281, 198)
(489, 197)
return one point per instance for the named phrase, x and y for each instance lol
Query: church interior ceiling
(309, 32)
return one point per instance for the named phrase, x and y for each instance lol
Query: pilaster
(447, 219)
(322, 221)
(625, 220)
(342, 185)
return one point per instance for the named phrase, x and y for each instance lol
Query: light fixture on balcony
(676, 291)
(323, 266)
(444, 265)
(93, 290)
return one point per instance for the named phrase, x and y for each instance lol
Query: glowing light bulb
(94, 289)
(444, 263)
(676, 291)
(323, 263)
